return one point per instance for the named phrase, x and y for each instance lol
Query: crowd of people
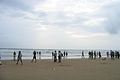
(57, 56)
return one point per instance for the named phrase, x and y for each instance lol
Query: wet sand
(72, 69)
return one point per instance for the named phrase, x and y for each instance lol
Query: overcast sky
(78, 24)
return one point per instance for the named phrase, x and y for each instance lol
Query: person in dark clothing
(59, 56)
(83, 54)
(14, 55)
(95, 55)
(34, 56)
(117, 54)
(39, 54)
(112, 54)
(55, 56)
(19, 57)
(64, 53)
(99, 54)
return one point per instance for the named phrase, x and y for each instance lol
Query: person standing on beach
(19, 57)
(14, 55)
(82, 54)
(59, 56)
(55, 56)
(39, 54)
(99, 54)
(95, 55)
(34, 56)
(66, 54)
(118, 55)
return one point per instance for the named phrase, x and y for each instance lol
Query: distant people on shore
(59, 56)
(19, 58)
(14, 56)
(34, 56)
(90, 54)
(114, 54)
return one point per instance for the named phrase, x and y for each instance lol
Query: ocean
(7, 53)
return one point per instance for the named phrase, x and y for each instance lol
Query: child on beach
(19, 57)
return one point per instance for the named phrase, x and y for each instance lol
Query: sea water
(7, 53)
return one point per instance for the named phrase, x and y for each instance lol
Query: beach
(69, 69)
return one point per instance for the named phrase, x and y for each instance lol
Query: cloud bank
(56, 20)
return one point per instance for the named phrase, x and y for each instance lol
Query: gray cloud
(18, 4)
(112, 11)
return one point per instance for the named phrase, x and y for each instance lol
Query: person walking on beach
(59, 56)
(34, 56)
(55, 56)
(19, 57)
(14, 55)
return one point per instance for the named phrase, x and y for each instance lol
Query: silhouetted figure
(59, 56)
(14, 55)
(34, 56)
(95, 54)
(82, 54)
(19, 57)
(55, 56)
(39, 54)
(91, 54)
(66, 54)
(118, 55)
(99, 54)
(112, 54)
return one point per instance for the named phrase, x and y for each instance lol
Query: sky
(62, 24)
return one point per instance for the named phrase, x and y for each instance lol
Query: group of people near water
(19, 58)
(97, 54)
(57, 56)
(60, 55)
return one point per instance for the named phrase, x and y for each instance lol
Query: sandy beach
(71, 69)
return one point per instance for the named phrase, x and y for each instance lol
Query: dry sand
(74, 69)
